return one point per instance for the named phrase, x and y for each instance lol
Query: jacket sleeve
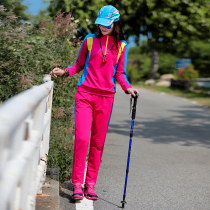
(80, 62)
(121, 70)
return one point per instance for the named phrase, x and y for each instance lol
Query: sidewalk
(50, 196)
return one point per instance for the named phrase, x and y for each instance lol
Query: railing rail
(24, 144)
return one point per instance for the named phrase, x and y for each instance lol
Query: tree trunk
(154, 64)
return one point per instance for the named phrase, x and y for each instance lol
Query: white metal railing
(24, 144)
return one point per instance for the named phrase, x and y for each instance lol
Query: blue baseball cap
(107, 15)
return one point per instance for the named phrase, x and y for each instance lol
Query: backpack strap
(89, 44)
(120, 50)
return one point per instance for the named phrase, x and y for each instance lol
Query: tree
(17, 8)
(84, 11)
(167, 24)
(199, 52)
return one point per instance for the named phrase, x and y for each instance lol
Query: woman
(103, 56)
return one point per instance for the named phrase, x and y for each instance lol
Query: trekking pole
(130, 143)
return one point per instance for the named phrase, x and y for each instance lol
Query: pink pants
(92, 113)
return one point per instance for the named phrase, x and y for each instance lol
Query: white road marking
(84, 203)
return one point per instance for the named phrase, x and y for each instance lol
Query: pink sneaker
(78, 193)
(89, 192)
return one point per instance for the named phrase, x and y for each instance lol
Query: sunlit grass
(200, 95)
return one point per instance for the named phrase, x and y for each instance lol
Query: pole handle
(136, 95)
(134, 105)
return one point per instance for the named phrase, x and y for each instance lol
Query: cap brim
(104, 21)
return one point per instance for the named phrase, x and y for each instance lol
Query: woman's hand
(132, 91)
(57, 72)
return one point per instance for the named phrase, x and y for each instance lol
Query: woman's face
(106, 31)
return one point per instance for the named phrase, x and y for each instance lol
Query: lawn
(200, 95)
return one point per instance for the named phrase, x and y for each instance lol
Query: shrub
(145, 67)
(27, 52)
(134, 50)
(198, 51)
(166, 63)
(187, 73)
(133, 73)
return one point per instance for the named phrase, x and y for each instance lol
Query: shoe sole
(77, 198)
(91, 198)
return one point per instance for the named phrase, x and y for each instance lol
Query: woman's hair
(117, 33)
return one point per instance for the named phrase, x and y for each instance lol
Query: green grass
(199, 95)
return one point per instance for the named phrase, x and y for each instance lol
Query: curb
(49, 199)
(50, 196)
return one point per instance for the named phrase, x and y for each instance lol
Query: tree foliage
(199, 52)
(83, 11)
(166, 23)
(15, 7)
(171, 26)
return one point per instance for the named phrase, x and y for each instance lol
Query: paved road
(170, 158)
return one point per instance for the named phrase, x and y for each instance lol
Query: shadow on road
(66, 190)
(189, 125)
(113, 204)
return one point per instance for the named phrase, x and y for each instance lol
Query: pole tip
(123, 204)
